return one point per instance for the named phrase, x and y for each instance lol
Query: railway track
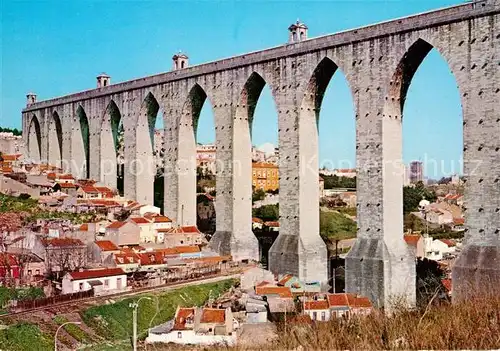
(96, 299)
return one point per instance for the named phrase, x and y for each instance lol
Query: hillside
(104, 327)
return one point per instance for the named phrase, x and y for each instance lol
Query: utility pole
(135, 306)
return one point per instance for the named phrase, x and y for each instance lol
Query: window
(294, 36)
(315, 316)
(37, 272)
(179, 335)
(119, 283)
(29, 271)
(302, 35)
(80, 286)
(182, 64)
(323, 316)
(106, 283)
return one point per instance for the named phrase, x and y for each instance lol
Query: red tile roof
(187, 249)
(140, 220)
(65, 176)
(284, 279)
(11, 157)
(316, 305)
(107, 245)
(181, 230)
(96, 273)
(104, 203)
(67, 185)
(412, 239)
(272, 224)
(126, 258)
(161, 219)
(181, 317)
(448, 242)
(447, 284)
(84, 227)
(115, 225)
(6, 169)
(282, 291)
(89, 189)
(151, 258)
(213, 315)
(348, 300)
(458, 221)
(257, 220)
(62, 242)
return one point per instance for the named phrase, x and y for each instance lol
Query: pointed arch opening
(55, 141)
(35, 140)
(424, 110)
(81, 152)
(196, 163)
(112, 148)
(145, 167)
(158, 142)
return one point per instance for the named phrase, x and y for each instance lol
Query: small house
(102, 280)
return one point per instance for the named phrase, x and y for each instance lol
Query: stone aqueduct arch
(378, 62)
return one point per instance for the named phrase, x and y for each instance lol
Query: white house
(436, 249)
(147, 234)
(257, 223)
(148, 208)
(323, 308)
(318, 310)
(197, 326)
(101, 280)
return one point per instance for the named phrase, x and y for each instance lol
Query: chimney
(103, 80)
(30, 99)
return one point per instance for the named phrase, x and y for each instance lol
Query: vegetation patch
(74, 330)
(114, 321)
(25, 336)
(20, 294)
(336, 226)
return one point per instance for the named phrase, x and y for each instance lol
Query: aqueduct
(379, 62)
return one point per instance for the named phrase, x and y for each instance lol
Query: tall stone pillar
(234, 235)
(298, 250)
(144, 164)
(130, 111)
(78, 155)
(66, 117)
(477, 269)
(379, 265)
(95, 115)
(171, 121)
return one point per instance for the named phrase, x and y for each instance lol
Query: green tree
(258, 195)
(332, 182)
(14, 131)
(413, 195)
(267, 212)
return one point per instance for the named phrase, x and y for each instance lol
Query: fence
(17, 306)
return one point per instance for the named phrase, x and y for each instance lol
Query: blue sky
(58, 47)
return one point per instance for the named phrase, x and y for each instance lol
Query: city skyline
(432, 111)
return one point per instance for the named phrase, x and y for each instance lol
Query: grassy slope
(114, 321)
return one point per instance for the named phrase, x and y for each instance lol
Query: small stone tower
(30, 99)
(103, 80)
(298, 32)
(180, 61)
